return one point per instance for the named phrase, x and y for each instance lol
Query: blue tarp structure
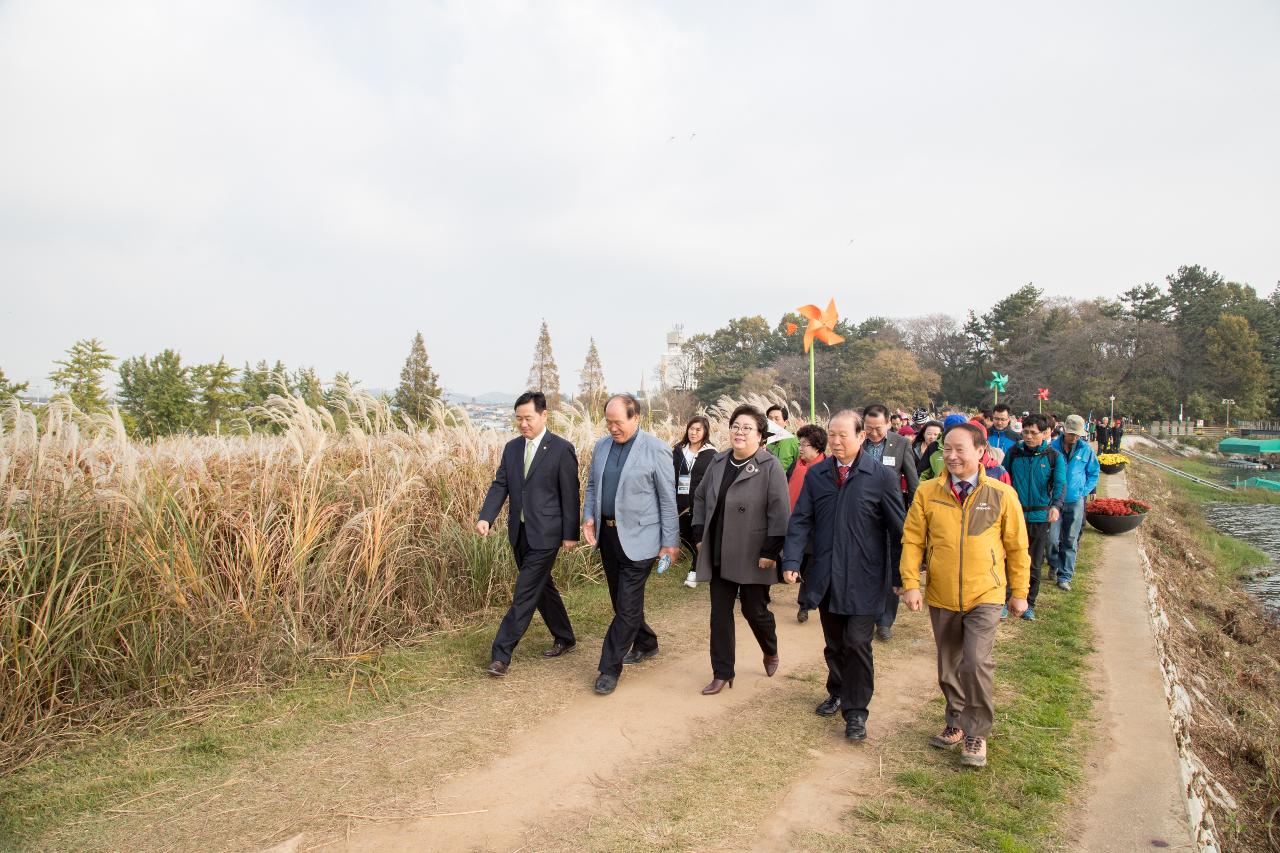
(1261, 483)
(1249, 446)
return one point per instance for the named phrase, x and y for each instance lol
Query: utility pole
(1228, 403)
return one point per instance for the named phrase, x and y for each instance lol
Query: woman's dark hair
(762, 423)
(706, 431)
(815, 435)
(921, 430)
(538, 399)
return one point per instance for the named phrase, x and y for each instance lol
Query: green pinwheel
(997, 383)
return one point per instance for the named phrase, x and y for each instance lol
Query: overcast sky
(313, 182)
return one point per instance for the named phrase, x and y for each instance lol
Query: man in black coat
(539, 474)
(851, 510)
(894, 452)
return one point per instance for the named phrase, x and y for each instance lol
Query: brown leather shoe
(558, 649)
(716, 685)
(497, 669)
(771, 664)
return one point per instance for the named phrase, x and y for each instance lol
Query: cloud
(316, 182)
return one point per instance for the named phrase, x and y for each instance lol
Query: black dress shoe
(855, 728)
(802, 615)
(829, 707)
(606, 684)
(884, 632)
(497, 669)
(558, 649)
(635, 656)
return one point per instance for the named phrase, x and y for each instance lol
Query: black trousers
(686, 532)
(850, 671)
(755, 609)
(890, 613)
(535, 590)
(1038, 547)
(626, 578)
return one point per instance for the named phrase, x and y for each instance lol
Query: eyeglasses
(742, 428)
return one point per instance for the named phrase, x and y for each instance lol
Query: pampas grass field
(137, 575)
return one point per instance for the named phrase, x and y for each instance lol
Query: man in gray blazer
(629, 512)
(892, 451)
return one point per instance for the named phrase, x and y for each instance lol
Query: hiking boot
(884, 633)
(1004, 613)
(802, 615)
(1065, 586)
(1029, 614)
(974, 753)
(691, 580)
(947, 738)
(828, 707)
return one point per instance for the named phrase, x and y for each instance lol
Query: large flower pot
(1113, 524)
(1113, 469)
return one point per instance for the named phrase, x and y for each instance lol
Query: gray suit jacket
(757, 506)
(898, 448)
(645, 505)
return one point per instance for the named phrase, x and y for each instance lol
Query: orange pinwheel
(822, 325)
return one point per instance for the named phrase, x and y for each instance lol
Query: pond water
(1259, 525)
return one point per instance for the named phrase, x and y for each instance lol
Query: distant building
(674, 368)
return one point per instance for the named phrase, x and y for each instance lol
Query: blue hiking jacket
(1004, 439)
(1082, 469)
(1039, 477)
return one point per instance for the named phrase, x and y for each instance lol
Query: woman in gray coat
(740, 514)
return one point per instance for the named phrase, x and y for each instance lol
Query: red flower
(1117, 506)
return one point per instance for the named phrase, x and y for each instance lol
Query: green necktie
(528, 457)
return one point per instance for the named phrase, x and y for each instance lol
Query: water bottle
(664, 563)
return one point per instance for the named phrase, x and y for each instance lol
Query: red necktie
(842, 473)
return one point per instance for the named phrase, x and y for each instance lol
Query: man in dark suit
(850, 510)
(893, 451)
(539, 474)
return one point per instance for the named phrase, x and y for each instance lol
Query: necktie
(528, 457)
(963, 488)
(842, 473)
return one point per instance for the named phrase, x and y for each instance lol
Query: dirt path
(840, 775)
(559, 765)
(1137, 800)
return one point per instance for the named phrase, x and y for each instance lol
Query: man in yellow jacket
(966, 528)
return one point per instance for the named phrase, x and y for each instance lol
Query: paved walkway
(1137, 802)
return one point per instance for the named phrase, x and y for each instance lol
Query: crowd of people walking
(952, 511)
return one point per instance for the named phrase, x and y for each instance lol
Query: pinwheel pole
(822, 326)
(1041, 395)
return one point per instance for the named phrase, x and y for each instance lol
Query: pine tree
(157, 393)
(591, 390)
(306, 384)
(10, 389)
(218, 393)
(80, 376)
(543, 375)
(419, 384)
